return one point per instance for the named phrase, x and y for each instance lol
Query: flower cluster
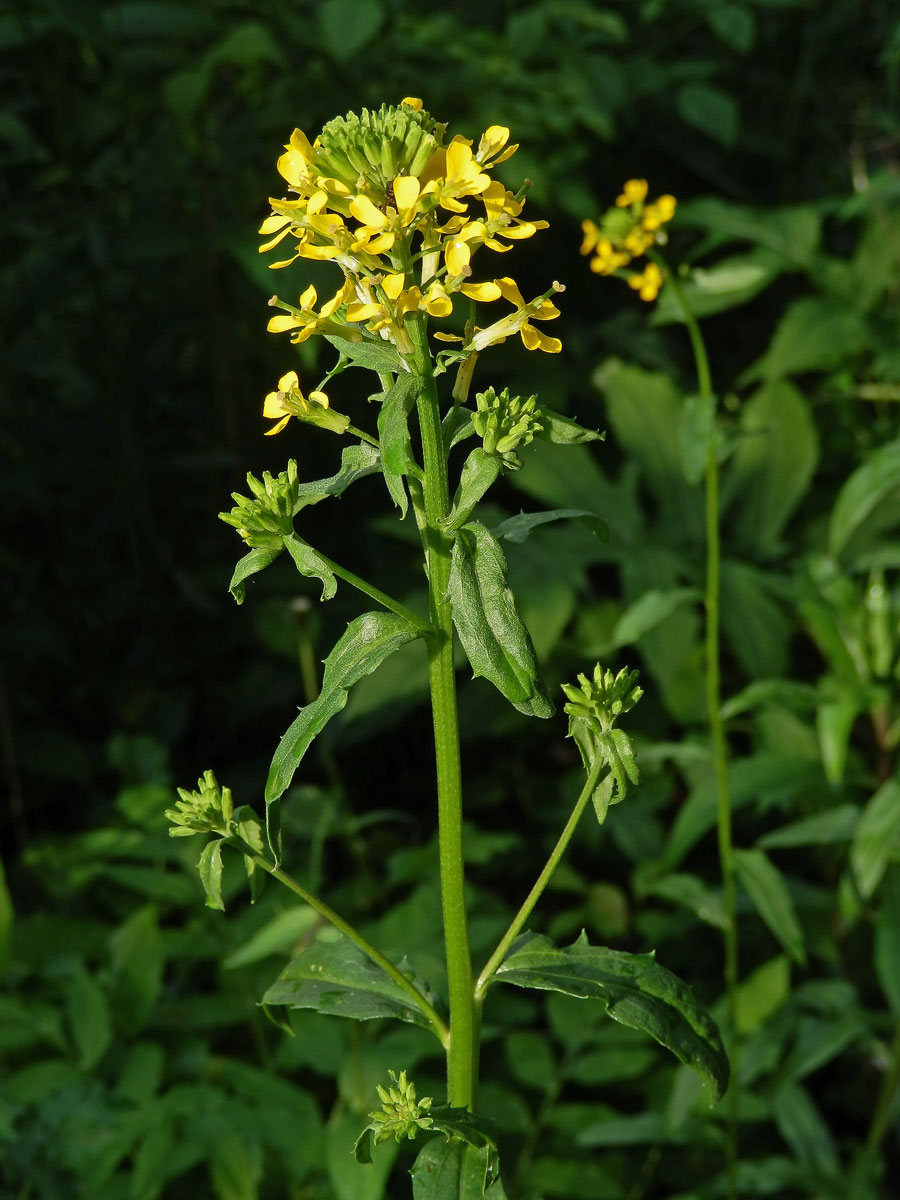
(627, 231)
(401, 1114)
(402, 212)
(209, 809)
(594, 707)
(504, 422)
(267, 517)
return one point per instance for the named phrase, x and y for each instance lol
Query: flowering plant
(402, 213)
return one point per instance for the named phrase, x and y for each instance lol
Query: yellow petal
(281, 324)
(318, 398)
(406, 191)
(448, 337)
(362, 312)
(459, 158)
(308, 298)
(288, 382)
(481, 291)
(412, 102)
(535, 340)
(383, 242)
(276, 239)
(437, 302)
(317, 202)
(273, 406)
(393, 285)
(457, 255)
(273, 223)
(278, 428)
(336, 300)
(509, 290)
(365, 211)
(300, 144)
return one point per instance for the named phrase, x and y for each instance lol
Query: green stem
(542, 880)
(350, 932)
(716, 724)
(373, 592)
(462, 1053)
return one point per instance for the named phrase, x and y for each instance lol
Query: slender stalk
(542, 880)
(462, 1053)
(717, 725)
(350, 932)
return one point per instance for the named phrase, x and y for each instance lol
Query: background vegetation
(137, 147)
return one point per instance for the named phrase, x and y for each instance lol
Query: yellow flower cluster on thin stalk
(626, 232)
(402, 214)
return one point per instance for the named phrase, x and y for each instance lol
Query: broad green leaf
(756, 623)
(834, 724)
(762, 993)
(564, 430)
(275, 937)
(357, 461)
(394, 440)
(479, 471)
(728, 283)
(696, 432)
(635, 991)
(367, 642)
(89, 1018)
(801, 1125)
(709, 109)
(693, 893)
(815, 334)
(377, 356)
(348, 25)
(453, 1170)
(152, 1160)
(887, 940)
(876, 837)
(136, 965)
(649, 611)
(781, 693)
(517, 529)
(336, 978)
(772, 467)
(793, 233)
(496, 641)
(861, 494)
(530, 1058)
(823, 829)
(210, 868)
(348, 1181)
(257, 560)
(309, 562)
(236, 1165)
(735, 24)
(765, 886)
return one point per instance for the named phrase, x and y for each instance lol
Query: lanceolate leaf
(478, 473)
(634, 989)
(869, 484)
(365, 644)
(310, 562)
(376, 356)
(558, 428)
(257, 560)
(393, 434)
(356, 461)
(456, 1171)
(210, 868)
(517, 529)
(492, 633)
(336, 978)
(766, 887)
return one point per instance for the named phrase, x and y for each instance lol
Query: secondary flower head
(266, 517)
(504, 422)
(402, 1114)
(627, 231)
(207, 810)
(289, 401)
(594, 706)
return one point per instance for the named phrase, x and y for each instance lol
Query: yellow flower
(490, 150)
(519, 321)
(305, 320)
(633, 192)
(454, 172)
(659, 213)
(648, 283)
(289, 402)
(607, 259)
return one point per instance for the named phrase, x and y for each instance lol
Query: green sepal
(357, 461)
(479, 471)
(456, 1170)
(394, 440)
(251, 564)
(210, 868)
(494, 637)
(517, 529)
(309, 562)
(365, 644)
(377, 356)
(337, 979)
(635, 991)
(565, 431)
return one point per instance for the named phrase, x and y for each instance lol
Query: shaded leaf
(336, 978)
(517, 529)
(210, 868)
(456, 1171)
(823, 829)
(479, 471)
(635, 991)
(377, 356)
(697, 430)
(89, 1018)
(814, 334)
(357, 461)
(875, 838)
(393, 435)
(493, 635)
(309, 562)
(710, 110)
(564, 430)
(860, 495)
(765, 886)
(728, 283)
(257, 560)
(649, 611)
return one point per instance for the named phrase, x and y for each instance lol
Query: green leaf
(693, 893)
(348, 25)
(635, 991)
(357, 461)
(562, 429)
(89, 1018)
(696, 432)
(801, 1125)
(772, 467)
(735, 24)
(456, 1171)
(793, 233)
(876, 837)
(236, 1165)
(336, 978)
(710, 110)
(861, 493)
(728, 283)
(393, 435)
(365, 644)
(517, 529)
(765, 886)
(762, 993)
(649, 611)
(373, 355)
(822, 829)
(887, 940)
(496, 641)
(257, 560)
(479, 471)
(816, 333)
(284, 930)
(210, 868)
(309, 562)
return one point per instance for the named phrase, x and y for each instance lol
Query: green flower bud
(594, 706)
(209, 809)
(504, 422)
(368, 150)
(402, 1115)
(267, 517)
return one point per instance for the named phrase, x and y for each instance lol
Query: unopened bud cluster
(209, 809)
(504, 422)
(402, 1115)
(267, 517)
(594, 706)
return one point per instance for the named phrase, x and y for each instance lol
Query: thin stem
(462, 1053)
(542, 880)
(716, 723)
(350, 932)
(361, 433)
(373, 592)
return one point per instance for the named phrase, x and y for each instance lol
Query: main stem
(462, 1053)
(717, 728)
